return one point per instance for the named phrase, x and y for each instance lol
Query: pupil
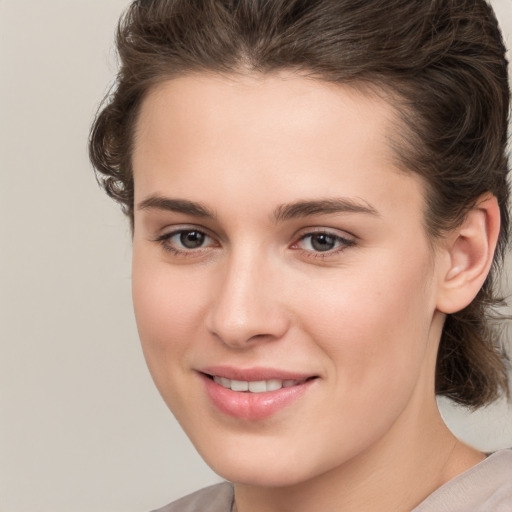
(192, 239)
(322, 242)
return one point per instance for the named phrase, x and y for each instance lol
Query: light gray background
(81, 427)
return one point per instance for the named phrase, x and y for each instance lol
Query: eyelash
(341, 242)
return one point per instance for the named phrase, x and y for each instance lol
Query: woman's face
(284, 286)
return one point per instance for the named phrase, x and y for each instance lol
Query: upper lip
(254, 374)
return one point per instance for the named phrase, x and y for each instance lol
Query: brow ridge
(284, 212)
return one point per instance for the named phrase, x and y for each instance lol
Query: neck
(414, 458)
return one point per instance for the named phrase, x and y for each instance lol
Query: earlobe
(470, 251)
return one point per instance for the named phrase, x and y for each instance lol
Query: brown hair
(442, 65)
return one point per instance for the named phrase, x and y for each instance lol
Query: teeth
(274, 385)
(239, 385)
(258, 386)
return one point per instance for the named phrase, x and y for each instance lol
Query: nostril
(259, 337)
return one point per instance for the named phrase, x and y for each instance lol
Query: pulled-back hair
(440, 63)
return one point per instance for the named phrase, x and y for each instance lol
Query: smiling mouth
(262, 395)
(256, 386)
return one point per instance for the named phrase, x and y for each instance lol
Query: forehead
(272, 107)
(204, 130)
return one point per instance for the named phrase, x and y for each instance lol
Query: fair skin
(275, 236)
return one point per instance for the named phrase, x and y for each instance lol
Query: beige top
(486, 487)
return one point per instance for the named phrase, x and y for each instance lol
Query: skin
(364, 317)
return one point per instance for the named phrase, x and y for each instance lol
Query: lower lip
(253, 406)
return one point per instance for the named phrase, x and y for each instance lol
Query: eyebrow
(176, 205)
(300, 209)
(282, 213)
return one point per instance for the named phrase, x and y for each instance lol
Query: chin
(263, 466)
(258, 475)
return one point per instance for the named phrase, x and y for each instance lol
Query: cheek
(375, 325)
(374, 331)
(168, 308)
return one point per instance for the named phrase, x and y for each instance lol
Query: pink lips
(253, 406)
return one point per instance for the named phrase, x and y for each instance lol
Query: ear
(467, 256)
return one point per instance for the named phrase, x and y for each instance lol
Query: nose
(247, 305)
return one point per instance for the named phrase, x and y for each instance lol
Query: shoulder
(216, 498)
(486, 487)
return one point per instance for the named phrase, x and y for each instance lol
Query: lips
(253, 394)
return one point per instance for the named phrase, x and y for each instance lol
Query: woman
(318, 196)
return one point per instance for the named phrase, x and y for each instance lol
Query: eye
(323, 242)
(190, 239)
(183, 241)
